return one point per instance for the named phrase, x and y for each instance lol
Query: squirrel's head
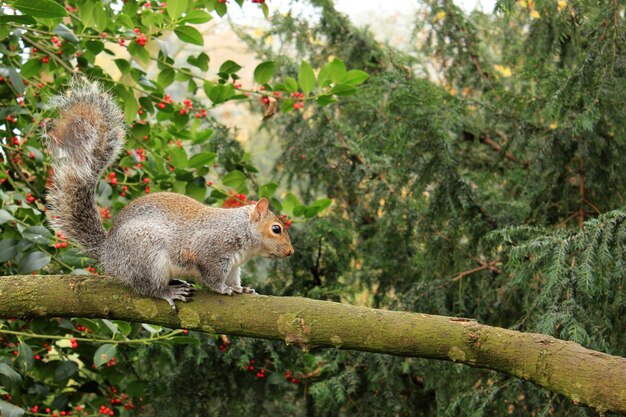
(275, 239)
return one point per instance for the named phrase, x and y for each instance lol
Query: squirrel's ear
(262, 207)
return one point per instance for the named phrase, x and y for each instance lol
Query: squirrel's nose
(290, 252)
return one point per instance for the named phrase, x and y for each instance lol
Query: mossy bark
(587, 377)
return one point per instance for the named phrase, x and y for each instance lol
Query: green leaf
(139, 52)
(104, 354)
(166, 77)
(290, 203)
(267, 190)
(325, 100)
(66, 33)
(16, 81)
(196, 190)
(291, 84)
(151, 328)
(112, 326)
(175, 9)
(264, 71)
(306, 77)
(201, 61)
(38, 154)
(234, 179)
(343, 90)
(179, 158)
(229, 67)
(25, 357)
(16, 18)
(9, 410)
(123, 65)
(8, 249)
(92, 15)
(185, 340)
(95, 47)
(286, 106)
(197, 16)
(41, 8)
(355, 77)
(124, 327)
(317, 207)
(336, 70)
(221, 9)
(202, 159)
(5, 216)
(65, 370)
(33, 262)
(219, 93)
(31, 68)
(189, 34)
(130, 107)
(13, 377)
(38, 234)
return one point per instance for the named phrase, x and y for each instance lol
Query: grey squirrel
(157, 237)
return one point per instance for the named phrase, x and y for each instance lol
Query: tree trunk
(587, 377)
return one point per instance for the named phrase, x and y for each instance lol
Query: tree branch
(587, 377)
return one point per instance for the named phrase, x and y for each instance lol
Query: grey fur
(83, 143)
(157, 237)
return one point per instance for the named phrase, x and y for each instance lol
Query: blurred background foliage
(479, 171)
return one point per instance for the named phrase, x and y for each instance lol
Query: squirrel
(157, 237)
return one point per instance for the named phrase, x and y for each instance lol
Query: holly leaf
(234, 179)
(189, 34)
(33, 262)
(41, 8)
(65, 370)
(9, 410)
(306, 77)
(12, 376)
(264, 71)
(104, 354)
(355, 77)
(229, 67)
(38, 234)
(175, 9)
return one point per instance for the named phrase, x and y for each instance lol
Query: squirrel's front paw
(244, 290)
(224, 289)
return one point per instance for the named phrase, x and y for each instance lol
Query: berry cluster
(106, 411)
(286, 221)
(299, 104)
(289, 377)
(141, 38)
(236, 200)
(105, 213)
(74, 343)
(70, 412)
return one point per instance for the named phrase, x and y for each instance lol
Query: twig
(483, 265)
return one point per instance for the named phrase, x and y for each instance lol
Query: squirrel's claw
(179, 283)
(180, 292)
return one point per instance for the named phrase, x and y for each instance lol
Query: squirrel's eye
(276, 229)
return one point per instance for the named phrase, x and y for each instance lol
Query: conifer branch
(586, 377)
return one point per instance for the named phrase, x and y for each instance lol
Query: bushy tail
(84, 141)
